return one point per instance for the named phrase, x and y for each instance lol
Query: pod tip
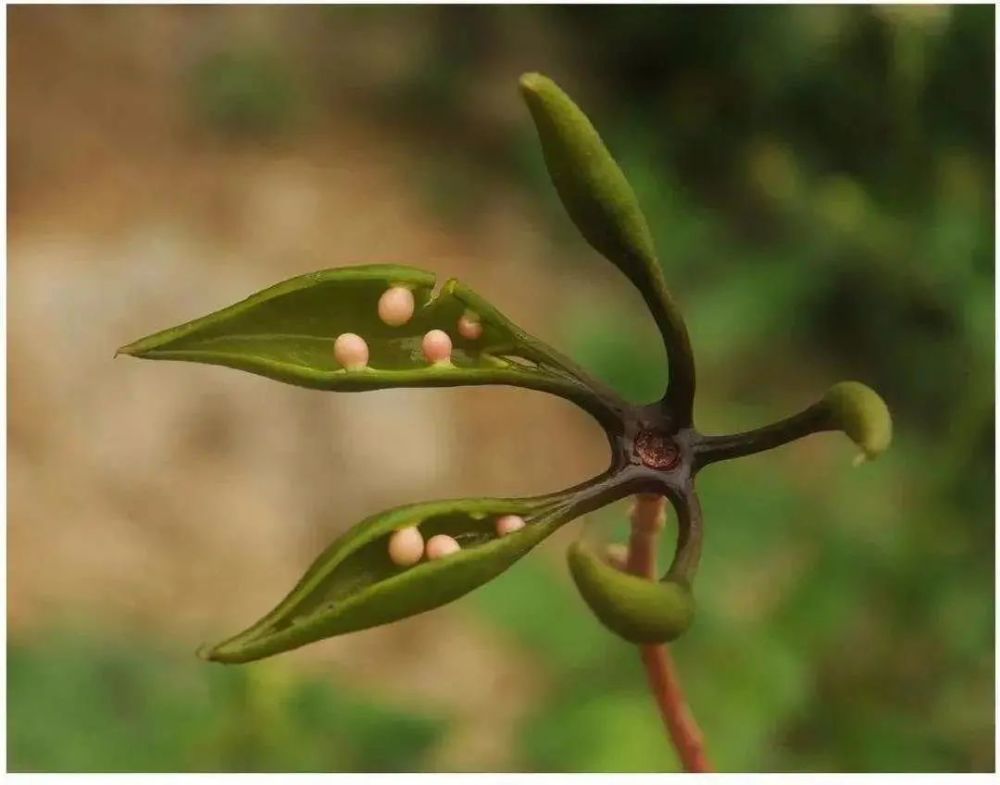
(532, 82)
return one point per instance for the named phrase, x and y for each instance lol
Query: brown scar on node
(656, 450)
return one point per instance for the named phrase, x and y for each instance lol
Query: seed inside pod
(406, 546)
(437, 346)
(469, 326)
(509, 523)
(441, 545)
(351, 351)
(395, 306)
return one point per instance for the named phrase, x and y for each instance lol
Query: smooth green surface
(637, 609)
(604, 208)
(354, 585)
(287, 332)
(858, 411)
(590, 183)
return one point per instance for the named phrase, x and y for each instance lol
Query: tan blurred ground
(181, 500)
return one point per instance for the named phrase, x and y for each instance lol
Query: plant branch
(648, 518)
(689, 534)
(679, 397)
(710, 449)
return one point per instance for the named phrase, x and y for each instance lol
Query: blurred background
(820, 184)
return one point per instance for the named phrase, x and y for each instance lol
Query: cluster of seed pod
(406, 546)
(395, 308)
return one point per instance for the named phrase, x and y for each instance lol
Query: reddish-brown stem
(648, 517)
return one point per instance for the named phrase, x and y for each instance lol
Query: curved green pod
(860, 412)
(604, 208)
(592, 186)
(634, 608)
(354, 585)
(287, 332)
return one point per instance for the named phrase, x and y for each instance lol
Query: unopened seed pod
(590, 183)
(860, 412)
(634, 608)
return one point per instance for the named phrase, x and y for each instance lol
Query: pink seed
(441, 545)
(437, 346)
(406, 546)
(395, 306)
(509, 523)
(469, 326)
(351, 351)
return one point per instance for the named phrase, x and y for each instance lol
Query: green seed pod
(290, 332)
(636, 609)
(860, 412)
(602, 204)
(356, 583)
(590, 183)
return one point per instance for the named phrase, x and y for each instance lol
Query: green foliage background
(820, 184)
